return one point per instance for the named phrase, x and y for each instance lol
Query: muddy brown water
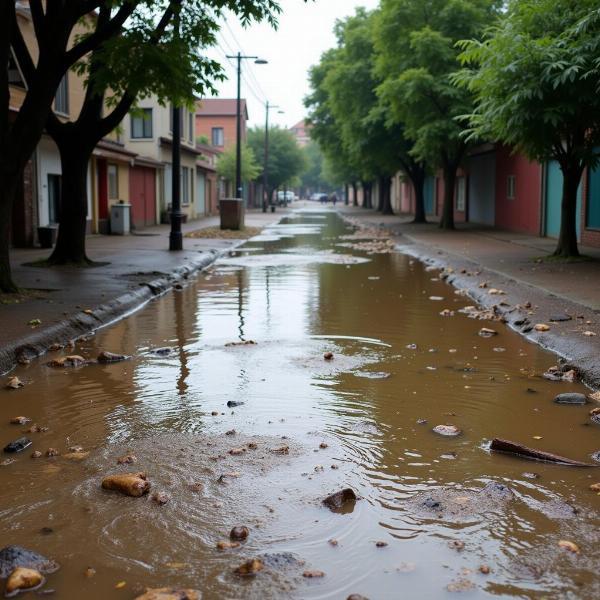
(298, 294)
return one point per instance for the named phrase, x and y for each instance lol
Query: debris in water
(14, 383)
(281, 450)
(328, 356)
(19, 420)
(595, 396)
(169, 594)
(341, 501)
(560, 374)
(313, 574)
(242, 343)
(18, 445)
(68, 361)
(130, 484)
(160, 498)
(52, 452)
(234, 403)
(323, 445)
(508, 447)
(589, 333)
(485, 332)
(22, 579)
(381, 544)
(461, 585)
(456, 545)
(541, 327)
(128, 459)
(222, 545)
(89, 572)
(111, 357)
(250, 567)
(568, 545)
(447, 430)
(484, 569)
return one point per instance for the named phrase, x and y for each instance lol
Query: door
(200, 194)
(554, 184)
(54, 182)
(142, 196)
(428, 193)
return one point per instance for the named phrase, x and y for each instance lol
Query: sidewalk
(138, 267)
(509, 254)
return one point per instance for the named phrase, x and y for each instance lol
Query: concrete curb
(37, 343)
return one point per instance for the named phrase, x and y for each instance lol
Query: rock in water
(130, 484)
(234, 403)
(342, 501)
(239, 533)
(571, 398)
(12, 557)
(169, 594)
(111, 357)
(22, 579)
(18, 445)
(250, 567)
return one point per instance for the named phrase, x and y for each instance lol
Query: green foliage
(286, 159)
(416, 59)
(162, 58)
(313, 176)
(226, 164)
(536, 78)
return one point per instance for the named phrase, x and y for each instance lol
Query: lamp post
(175, 236)
(266, 195)
(238, 158)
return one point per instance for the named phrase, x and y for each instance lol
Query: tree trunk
(367, 189)
(354, 194)
(9, 183)
(381, 193)
(567, 238)
(418, 181)
(447, 221)
(386, 208)
(70, 243)
(346, 192)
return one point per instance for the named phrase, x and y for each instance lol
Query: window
(218, 136)
(141, 125)
(185, 185)
(54, 182)
(113, 181)
(511, 187)
(461, 193)
(61, 99)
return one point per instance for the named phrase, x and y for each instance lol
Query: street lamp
(267, 197)
(238, 160)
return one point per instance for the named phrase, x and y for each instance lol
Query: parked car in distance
(283, 197)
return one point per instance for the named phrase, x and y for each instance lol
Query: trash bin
(232, 213)
(120, 218)
(47, 236)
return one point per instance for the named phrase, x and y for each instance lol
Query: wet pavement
(433, 511)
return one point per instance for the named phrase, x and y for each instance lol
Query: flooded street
(432, 510)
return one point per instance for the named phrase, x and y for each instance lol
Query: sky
(305, 31)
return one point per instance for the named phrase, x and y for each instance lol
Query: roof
(220, 107)
(300, 125)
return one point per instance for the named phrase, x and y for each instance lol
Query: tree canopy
(226, 164)
(536, 79)
(286, 160)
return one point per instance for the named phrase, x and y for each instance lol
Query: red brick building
(216, 121)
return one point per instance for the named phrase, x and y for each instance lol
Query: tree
(313, 176)
(58, 50)
(536, 79)
(226, 164)
(417, 55)
(286, 160)
(54, 23)
(163, 60)
(325, 127)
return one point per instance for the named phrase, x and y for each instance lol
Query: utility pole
(238, 155)
(267, 199)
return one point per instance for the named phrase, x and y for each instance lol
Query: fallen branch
(508, 447)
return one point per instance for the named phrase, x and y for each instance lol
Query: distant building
(216, 121)
(301, 132)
